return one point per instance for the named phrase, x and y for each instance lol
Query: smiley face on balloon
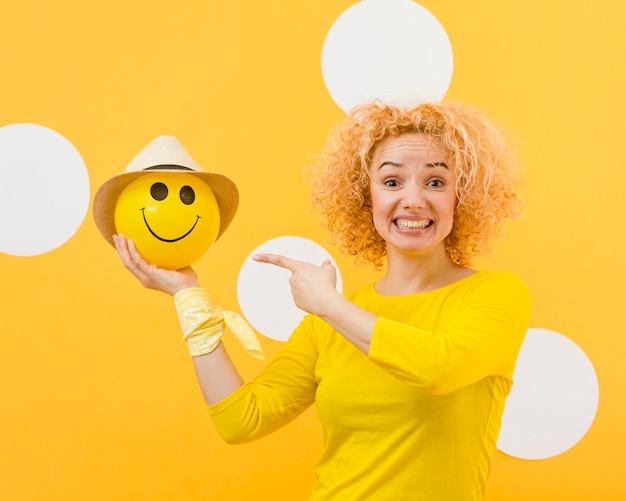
(166, 204)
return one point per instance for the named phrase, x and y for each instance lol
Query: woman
(409, 375)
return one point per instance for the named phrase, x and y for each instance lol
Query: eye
(187, 195)
(158, 191)
(435, 183)
(391, 183)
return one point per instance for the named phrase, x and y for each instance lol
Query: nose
(413, 198)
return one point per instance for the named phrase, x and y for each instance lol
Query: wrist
(192, 284)
(329, 304)
(201, 326)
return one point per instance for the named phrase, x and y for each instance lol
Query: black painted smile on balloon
(167, 239)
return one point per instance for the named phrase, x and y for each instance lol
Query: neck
(412, 274)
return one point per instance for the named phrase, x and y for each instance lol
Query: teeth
(405, 224)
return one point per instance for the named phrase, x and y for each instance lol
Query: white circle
(394, 51)
(263, 289)
(554, 398)
(44, 189)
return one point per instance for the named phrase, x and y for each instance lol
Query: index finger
(121, 246)
(277, 260)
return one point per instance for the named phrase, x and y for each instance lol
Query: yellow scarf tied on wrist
(203, 326)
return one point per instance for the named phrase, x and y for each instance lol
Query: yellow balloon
(173, 218)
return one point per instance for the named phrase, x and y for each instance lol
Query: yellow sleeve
(483, 339)
(283, 391)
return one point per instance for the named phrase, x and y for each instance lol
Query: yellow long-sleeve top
(419, 417)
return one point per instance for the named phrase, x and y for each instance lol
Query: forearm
(351, 321)
(281, 392)
(217, 375)
(202, 327)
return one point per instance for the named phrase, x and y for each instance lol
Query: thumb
(328, 267)
(327, 263)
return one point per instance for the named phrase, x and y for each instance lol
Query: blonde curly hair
(486, 176)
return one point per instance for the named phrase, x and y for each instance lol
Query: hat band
(172, 167)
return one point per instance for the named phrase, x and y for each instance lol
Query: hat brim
(225, 191)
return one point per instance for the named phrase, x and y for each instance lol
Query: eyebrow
(438, 164)
(429, 164)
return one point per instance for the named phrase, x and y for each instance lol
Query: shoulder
(501, 279)
(500, 287)
(504, 278)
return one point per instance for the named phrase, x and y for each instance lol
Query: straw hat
(163, 154)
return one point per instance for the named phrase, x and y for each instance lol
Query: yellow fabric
(416, 420)
(203, 326)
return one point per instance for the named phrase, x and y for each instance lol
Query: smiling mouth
(406, 224)
(167, 239)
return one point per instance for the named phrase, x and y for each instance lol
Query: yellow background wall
(97, 394)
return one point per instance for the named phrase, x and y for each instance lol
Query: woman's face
(412, 185)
